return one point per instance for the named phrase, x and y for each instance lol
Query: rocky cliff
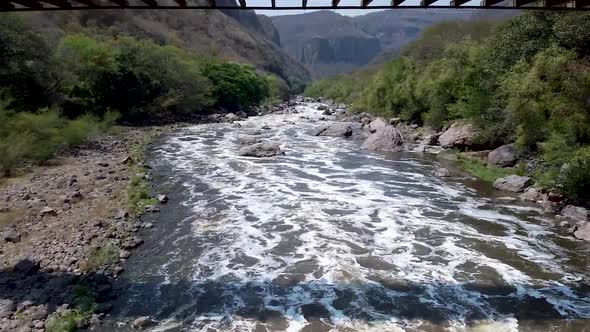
(329, 43)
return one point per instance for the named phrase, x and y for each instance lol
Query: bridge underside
(48, 5)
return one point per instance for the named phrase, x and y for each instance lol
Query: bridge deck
(46, 5)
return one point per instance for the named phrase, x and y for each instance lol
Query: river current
(330, 237)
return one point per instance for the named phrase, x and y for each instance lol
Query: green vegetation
(54, 97)
(99, 257)
(526, 80)
(480, 169)
(36, 136)
(138, 196)
(70, 320)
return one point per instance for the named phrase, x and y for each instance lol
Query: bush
(235, 86)
(35, 137)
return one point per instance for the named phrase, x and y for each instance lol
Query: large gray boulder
(513, 183)
(336, 129)
(460, 135)
(261, 150)
(377, 124)
(504, 156)
(583, 231)
(386, 139)
(576, 213)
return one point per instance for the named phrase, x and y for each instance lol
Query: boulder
(260, 150)
(459, 135)
(143, 323)
(232, 117)
(513, 183)
(504, 156)
(441, 172)
(48, 211)
(576, 213)
(163, 199)
(394, 121)
(7, 307)
(11, 235)
(249, 140)
(322, 107)
(583, 232)
(531, 194)
(27, 267)
(327, 112)
(377, 124)
(337, 129)
(386, 139)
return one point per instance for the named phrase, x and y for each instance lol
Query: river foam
(333, 237)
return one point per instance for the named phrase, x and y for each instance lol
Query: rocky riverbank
(67, 227)
(393, 135)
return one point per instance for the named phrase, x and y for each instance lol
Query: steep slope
(329, 43)
(232, 35)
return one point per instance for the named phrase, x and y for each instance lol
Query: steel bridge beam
(53, 5)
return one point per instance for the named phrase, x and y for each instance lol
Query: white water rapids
(331, 237)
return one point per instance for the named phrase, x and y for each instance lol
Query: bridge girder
(38, 5)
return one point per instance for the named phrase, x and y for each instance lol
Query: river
(332, 237)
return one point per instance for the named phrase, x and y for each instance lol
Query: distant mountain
(329, 43)
(232, 35)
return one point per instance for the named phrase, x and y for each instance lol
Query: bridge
(52, 5)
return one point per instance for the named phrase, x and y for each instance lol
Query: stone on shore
(11, 235)
(377, 124)
(261, 150)
(504, 156)
(583, 232)
(513, 183)
(459, 135)
(576, 213)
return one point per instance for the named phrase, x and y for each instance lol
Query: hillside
(231, 35)
(329, 43)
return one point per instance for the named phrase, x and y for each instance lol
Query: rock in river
(441, 172)
(513, 183)
(337, 129)
(261, 150)
(386, 139)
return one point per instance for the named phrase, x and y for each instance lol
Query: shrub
(235, 86)
(35, 137)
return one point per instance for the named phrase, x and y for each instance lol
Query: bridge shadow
(270, 305)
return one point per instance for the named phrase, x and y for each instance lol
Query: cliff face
(329, 43)
(326, 42)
